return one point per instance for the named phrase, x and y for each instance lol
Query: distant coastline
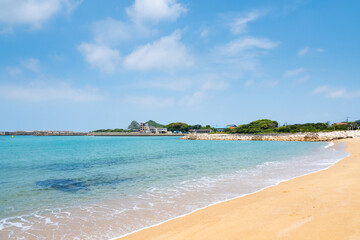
(265, 128)
(306, 136)
(70, 133)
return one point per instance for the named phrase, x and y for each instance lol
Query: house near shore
(227, 127)
(145, 128)
(199, 131)
(160, 130)
(221, 129)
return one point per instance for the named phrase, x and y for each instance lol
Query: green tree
(178, 126)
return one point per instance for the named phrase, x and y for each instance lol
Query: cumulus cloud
(31, 64)
(155, 10)
(32, 12)
(43, 93)
(334, 93)
(239, 24)
(167, 52)
(293, 72)
(102, 57)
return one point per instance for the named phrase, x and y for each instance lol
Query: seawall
(132, 134)
(310, 137)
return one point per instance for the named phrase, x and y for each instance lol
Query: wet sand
(322, 205)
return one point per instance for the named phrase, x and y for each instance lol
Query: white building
(144, 128)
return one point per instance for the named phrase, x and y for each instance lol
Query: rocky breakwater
(310, 137)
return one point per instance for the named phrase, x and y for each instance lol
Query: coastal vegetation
(154, 124)
(261, 126)
(183, 127)
(269, 126)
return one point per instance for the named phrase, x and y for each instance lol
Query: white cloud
(13, 71)
(248, 43)
(263, 84)
(334, 93)
(31, 64)
(44, 93)
(248, 83)
(321, 89)
(302, 79)
(155, 10)
(294, 72)
(269, 83)
(32, 12)
(104, 58)
(204, 33)
(303, 51)
(214, 85)
(297, 75)
(112, 32)
(168, 52)
(242, 54)
(239, 25)
(193, 99)
(307, 50)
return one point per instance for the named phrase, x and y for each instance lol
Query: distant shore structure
(306, 136)
(145, 128)
(200, 131)
(44, 133)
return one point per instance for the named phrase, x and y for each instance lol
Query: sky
(86, 65)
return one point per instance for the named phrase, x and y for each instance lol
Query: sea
(86, 187)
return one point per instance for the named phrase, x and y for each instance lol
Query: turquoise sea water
(103, 187)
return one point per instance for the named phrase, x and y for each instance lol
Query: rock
(308, 137)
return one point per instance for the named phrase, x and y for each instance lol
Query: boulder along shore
(309, 136)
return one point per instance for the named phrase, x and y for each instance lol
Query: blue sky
(85, 65)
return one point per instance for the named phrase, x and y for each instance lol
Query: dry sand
(323, 205)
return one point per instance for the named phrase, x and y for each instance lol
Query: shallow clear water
(103, 187)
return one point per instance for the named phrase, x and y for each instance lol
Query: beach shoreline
(300, 214)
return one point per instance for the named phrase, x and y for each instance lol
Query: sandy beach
(321, 205)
